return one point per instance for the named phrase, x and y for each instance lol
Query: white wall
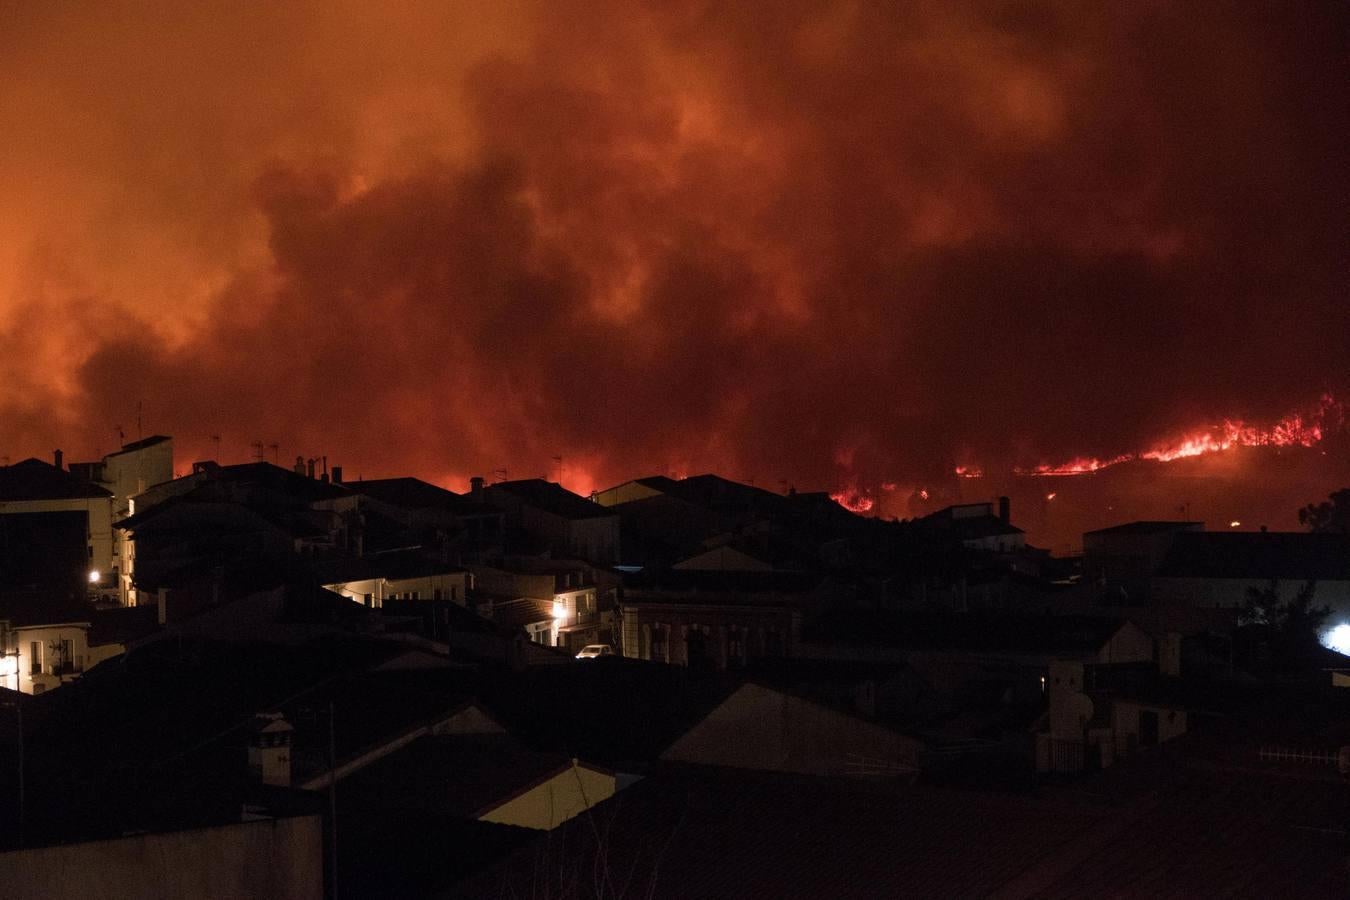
(45, 636)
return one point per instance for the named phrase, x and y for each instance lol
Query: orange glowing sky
(832, 245)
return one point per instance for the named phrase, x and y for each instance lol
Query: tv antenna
(257, 451)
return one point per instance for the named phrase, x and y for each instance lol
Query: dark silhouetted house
(558, 602)
(46, 642)
(638, 489)
(719, 619)
(55, 529)
(1219, 569)
(973, 526)
(473, 529)
(768, 730)
(1120, 561)
(567, 524)
(697, 834)
(485, 777)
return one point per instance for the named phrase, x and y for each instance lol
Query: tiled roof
(703, 833)
(413, 493)
(461, 775)
(717, 834)
(552, 498)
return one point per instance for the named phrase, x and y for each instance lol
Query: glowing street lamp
(1338, 639)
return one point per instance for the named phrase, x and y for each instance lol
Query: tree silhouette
(1289, 629)
(1331, 516)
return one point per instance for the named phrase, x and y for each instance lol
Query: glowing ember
(969, 472)
(1052, 495)
(923, 495)
(1235, 524)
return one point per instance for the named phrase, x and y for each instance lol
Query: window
(735, 646)
(35, 658)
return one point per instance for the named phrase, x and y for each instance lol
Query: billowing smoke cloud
(807, 243)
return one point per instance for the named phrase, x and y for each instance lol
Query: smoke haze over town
(835, 247)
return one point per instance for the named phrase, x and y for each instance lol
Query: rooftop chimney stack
(58, 458)
(309, 466)
(476, 488)
(1005, 510)
(337, 474)
(269, 749)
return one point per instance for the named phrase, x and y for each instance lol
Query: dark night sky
(822, 243)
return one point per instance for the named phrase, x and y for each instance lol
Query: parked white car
(595, 651)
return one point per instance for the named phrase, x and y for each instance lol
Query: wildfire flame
(853, 501)
(1296, 430)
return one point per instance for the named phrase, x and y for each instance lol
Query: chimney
(476, 488)
(58, 458)
(1005, 510)
(299, 465)
(309, 466)
(269, 749)
(337, 474)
